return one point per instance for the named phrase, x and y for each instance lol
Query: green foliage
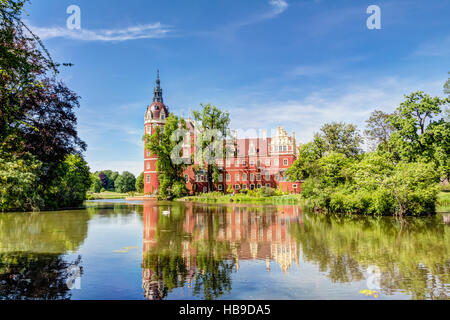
(96, 184)
(418, 135)
(165, 144)
(140, 183)
(213, 124)
(379, 130)
(126, 182)
(72, 182)
(375, 185)
(230, 189)
(338, 137)
(18, 181)
(20, 189)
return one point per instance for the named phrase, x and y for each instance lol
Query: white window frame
(244, 177)
(220, 187)
(252, 176)
(236, 177)
(228, 177)
(236, 187)
(285, 162)
(267, 163)
(252, 162)
(236, 163)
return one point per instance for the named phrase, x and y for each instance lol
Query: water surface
(161, 250)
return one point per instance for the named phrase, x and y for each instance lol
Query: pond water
(161, 250)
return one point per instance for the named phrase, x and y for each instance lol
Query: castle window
(268, 185)
(267, 176)
(294, 186)
(277, 162)
(236, 187)
(236, 177)
(252, 162)
(148, 178)
(186, 177)
(220, 178)
(162, 116)
(148, 165)
(285, 162)
(244, 186)
(259, 186)
(267, 163)
(228, 163)
(219, 187)
(258, 177)
(228, 177)
(252, 176)
(244, 177)
(244, 163)
(236, 163)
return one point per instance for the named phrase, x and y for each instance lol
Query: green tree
(126, 182)
(379, 130)
(140, 183)
(214, 126)
(96, 184)
(166, 145)
(72, 184)
(306, 163)
(447, 86)
(18, 182)
(421, 132)
(340, 138)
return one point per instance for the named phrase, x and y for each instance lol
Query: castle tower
(155, 116)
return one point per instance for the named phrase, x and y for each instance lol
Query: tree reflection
(27, 276)
(32, 265)
(412, 254)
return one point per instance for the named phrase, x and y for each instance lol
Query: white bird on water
(166, 212)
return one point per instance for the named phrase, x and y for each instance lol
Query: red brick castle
(258, 162)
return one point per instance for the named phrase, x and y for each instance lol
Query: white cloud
(148, 31)
(350, 103)
(278, 7)
(437, 48)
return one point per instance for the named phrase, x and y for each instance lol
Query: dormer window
(162, 116)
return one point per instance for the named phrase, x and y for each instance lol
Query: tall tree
(126, 182)
(421, 131)
(378, 130)
(165, 144)
(447, 85)
(214, 125)
(140, 183)
(339, 137)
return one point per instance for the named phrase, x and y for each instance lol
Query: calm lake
(161, 250)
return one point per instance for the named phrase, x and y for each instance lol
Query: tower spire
(157, 92)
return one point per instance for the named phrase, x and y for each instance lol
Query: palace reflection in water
(220, 236)
(162, 250)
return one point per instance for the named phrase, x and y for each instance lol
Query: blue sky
(298, 64)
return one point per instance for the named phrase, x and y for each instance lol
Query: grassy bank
(111, 195)
(443, 201)
(217, 197)
(442, 204)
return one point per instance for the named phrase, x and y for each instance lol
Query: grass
(110, 195)
(443, 201)
(217, 197)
